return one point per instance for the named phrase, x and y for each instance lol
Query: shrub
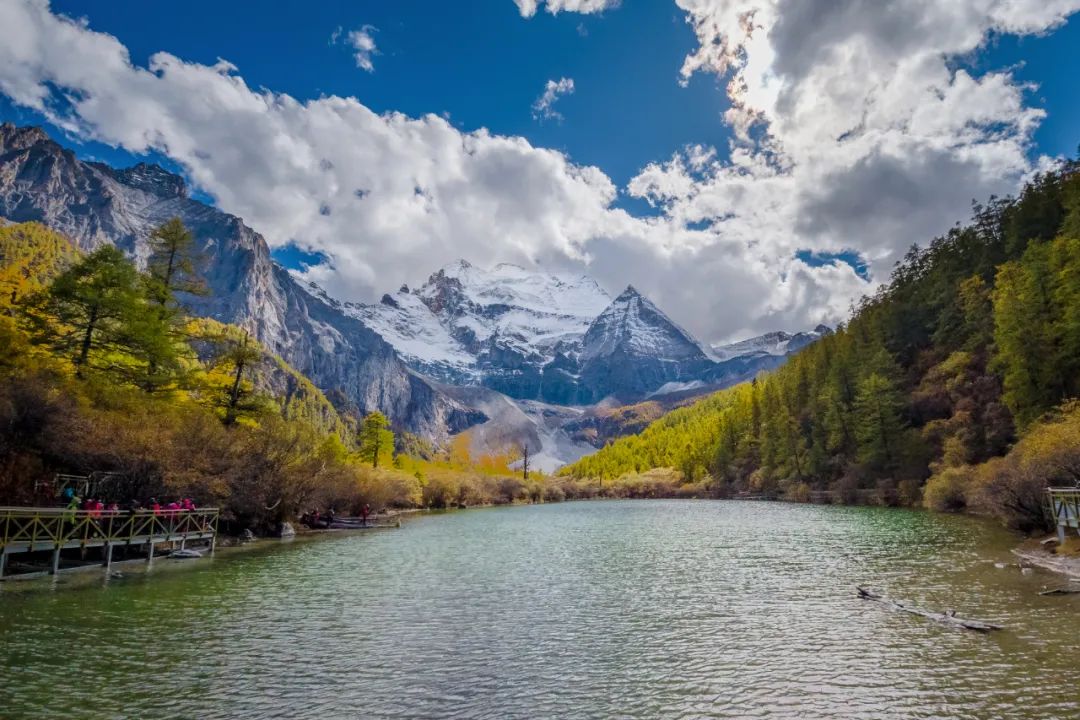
(909, 492)
(800, 492)
(948, 490)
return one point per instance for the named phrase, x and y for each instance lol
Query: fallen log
(948, 618)
(1061, 591)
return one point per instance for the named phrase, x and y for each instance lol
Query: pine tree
(879, 425)
(239, 356)
(170, 270)
(1024, 347)
(171, 267)
(977, 309)
(93, 306)
(376, 439)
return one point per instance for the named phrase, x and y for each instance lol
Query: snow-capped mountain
(633, 348)
(500, 327)
(777, 344)
(541, 337)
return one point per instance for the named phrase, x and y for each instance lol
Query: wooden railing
(29, 529)
(1064, 508)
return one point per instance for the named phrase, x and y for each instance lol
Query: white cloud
(829, 158)
(543, 108)
(528, 8)
(363, 44)
(877, 136)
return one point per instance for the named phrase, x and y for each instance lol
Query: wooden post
(213, 528)
(55, 561)
(150, 550)
(3, 563)
(108, 556)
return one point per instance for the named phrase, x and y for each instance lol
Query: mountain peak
(16, 137)
(153, 179)
(629, 292)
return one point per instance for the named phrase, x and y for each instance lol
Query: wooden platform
(28, 530)
(1065, 509)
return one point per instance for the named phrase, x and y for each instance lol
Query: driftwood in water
(1061, 591)
(948, 618)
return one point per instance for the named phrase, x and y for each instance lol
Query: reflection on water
(629, 609)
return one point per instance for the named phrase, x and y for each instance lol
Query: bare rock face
(95, 204)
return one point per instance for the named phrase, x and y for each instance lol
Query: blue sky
(482, 64)
(485, 66)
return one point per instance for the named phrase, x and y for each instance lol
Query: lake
(629, 609)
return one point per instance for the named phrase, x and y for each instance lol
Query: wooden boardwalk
(27, 530)
(1065, 509)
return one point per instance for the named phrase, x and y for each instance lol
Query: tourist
(365, 512)
(73, 507)
(155, 506)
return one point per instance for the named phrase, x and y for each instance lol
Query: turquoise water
(631, 609)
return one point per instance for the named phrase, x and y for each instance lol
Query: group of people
(172, 508)
(95, 507)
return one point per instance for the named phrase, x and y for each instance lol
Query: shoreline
(1068, 566)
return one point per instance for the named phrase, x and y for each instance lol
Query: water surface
(630, 609)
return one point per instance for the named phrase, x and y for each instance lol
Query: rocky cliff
(95, 204)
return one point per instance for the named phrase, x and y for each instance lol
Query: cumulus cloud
(543, 108)
(863, 116)
(824, 159)
(363, 44)
(528, 8)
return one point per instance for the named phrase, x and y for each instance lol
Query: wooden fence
(29, 529)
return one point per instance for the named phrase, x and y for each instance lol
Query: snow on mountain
(777, 343)
(500, 327)
(524, 309)
(774, 343)
(633, 348)
(404, 321)
(633, 325)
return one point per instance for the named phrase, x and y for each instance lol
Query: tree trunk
(84, 351)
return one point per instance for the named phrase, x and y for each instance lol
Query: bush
(1013, 488)
(909, 492)
(799, 492)
(948, 490)
(886, 493)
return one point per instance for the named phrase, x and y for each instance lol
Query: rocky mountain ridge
(559, 340)
(94, 204)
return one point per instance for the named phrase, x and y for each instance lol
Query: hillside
(948, 381)
(96, 205)
(102, 370)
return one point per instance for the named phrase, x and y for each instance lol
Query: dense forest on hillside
(950, 386)
(103, 371)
